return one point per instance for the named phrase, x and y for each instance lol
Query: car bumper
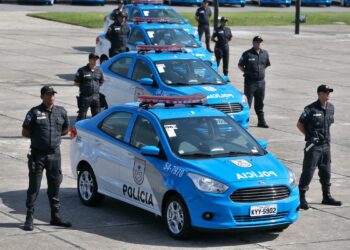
(229, 215)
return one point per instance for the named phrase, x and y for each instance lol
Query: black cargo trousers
(51, 162)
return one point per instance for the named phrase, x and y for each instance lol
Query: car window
(161, 13)
(136, 36)
(116, 124)
(121, 66)
(171, 37)
(141, 70)
(144, 134)
(135, 13)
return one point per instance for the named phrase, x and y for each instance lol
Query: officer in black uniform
(44, 125)
(315, 124)
(203, 14)
(89, 79)
(253, 63)
(120, 8)
(223, 36)
(118, 34)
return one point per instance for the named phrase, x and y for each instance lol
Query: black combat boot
(327, 197)
(57, 221)
(261, 121)
(303, 203)
(28, 224)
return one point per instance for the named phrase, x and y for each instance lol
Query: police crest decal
(242, 163)
(139, 171)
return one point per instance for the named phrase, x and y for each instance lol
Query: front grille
(260, 194)
(228, 108)
(247, 218)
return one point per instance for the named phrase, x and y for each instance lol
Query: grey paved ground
(35, 52)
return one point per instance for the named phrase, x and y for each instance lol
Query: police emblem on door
(242, 163)
(139, 171)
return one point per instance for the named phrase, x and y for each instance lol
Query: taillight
(97, 40)
(73, 132)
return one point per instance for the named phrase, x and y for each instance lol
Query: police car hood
(238, 169)
(198, 52)
(215, 93)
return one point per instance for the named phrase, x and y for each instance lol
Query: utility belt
(317, 141)
(35, 151)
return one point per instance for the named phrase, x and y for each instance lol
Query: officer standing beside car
(44, 125)
(202, 16)
(118, 34)
(221, 36)
(253, 63)
(89, 79)
(315, 124)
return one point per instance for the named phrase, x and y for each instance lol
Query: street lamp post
(297, 16)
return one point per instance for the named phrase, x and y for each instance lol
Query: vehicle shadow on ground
(88, 49)
(119, 221)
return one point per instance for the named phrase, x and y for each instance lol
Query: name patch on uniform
(251, 59)
(41, 117)
(317, 114)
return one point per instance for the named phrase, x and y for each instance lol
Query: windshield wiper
(214, 83)
(241, 153)
(197, 155)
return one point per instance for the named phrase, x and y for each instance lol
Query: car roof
(170, 56)
(148, 26)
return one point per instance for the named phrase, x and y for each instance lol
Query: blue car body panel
(276, 2)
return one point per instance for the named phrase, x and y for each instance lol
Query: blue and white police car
(191, 164)
(286, 3)
(167, 70)
(157, 31)
(232, 2)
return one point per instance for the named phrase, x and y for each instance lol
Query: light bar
(147, 2)
(159, 48)
(151, 19)
(185, 99)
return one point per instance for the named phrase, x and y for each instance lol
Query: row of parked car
(182, 151)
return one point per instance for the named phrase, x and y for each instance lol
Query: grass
(254, 18)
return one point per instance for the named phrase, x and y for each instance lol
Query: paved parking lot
(34, 52)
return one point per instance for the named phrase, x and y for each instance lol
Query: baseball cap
(223, 19)
(257, 39)
(119, 1)
(47, 90)
(93, 55)
(205, 1)
(324, 88)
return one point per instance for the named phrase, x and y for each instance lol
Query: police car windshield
(171, 37)
(209, 137)
(171, 14)
(187, 72)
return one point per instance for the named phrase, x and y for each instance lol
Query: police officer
(44, 125)
(120, 8)
(223, 36)
(118, 34)
(89, 79)
(253, 63)
(203, 14)
(315, 124)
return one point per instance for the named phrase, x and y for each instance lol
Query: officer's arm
(241, 64)
(213, 37)
(27, 125)
(26, 133)
(77, 79)
(301, 127)
(65, 126)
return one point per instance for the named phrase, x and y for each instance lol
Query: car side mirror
(262, 143)
(139, 43)
(186, 21)
(150, 150)
(146, 81)
(225, 78)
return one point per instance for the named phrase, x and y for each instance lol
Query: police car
(233, 2)
(342, 2)
(153, 9)
(166, 70)
(157, 31)
(99, 2)
(327, 3)
(191, 164)
(48, 2)
(286, 3)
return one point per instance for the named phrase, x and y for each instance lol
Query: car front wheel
(87, 188)
(177, 218)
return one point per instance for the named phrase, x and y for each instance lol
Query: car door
(111, 151)
(140, 177)
(117, 87)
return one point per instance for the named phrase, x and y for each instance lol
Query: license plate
(263, 210)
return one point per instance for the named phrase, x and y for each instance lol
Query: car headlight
(292, 178)
(206, 184)
(244, 100)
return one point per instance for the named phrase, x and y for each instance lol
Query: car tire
(87, 188)
(177, 218)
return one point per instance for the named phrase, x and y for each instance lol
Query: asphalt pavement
(34, 52)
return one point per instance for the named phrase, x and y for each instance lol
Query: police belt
(320, 142)
(45, 151)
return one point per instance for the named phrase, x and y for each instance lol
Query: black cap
(324, 88)
(93, 56)
(47, 90)
(223, 19)
(120, 1)
(205, 1)
(257, 39)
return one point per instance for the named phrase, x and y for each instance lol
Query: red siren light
(185, 99)
(159, 48)
(151, 20)
(147, 2)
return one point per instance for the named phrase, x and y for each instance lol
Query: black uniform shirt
(118, 34)
(203, 15)
(317, 121)
(46, 127)
(223, 35)
(89, 81)
(254, 64)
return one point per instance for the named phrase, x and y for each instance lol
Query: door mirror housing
(150, 150)
(262, 143)
(146, 81)
(139, 43)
